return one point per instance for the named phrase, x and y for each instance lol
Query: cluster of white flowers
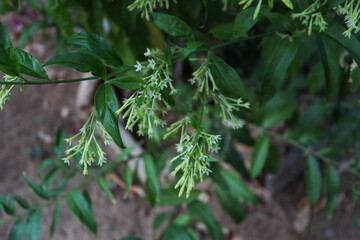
(247, 3)
(5, 91)
(309, 18)
(143, 105)
(147, 6)
(88, 146)
(351, 11)
(205, 82)
(192, 151)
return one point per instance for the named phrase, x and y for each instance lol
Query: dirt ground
(27, 128)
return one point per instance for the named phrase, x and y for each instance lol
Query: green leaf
(38, 190)
(173, 232)
(332, 77)
(182, 220)
(223, 31)
(106, 104)
(279, 109)
(170, 197)
(83, 62)
(152, 184)
(81, 209)
(234, 158)
(203, 213)
(46, 163)
(159, 219)
(312, 179)
(226, 78)
(244, 21)
(21, 201)
(230, 205)
(280, 60)
(104, 186)
(9, 62)
(7, 204)
(189, 49)
(98, 45)
(126, 82)
(29, 65)
(54, 219)
(127, 179)
(272, 164)
(173, 26)
(194, 122)
(49, 177)
(335, 31)
(33, 226)
(331, 187)
(59, 143)
(231, 183)
(259, 156)
(17, 231)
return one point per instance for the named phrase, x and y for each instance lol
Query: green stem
(34, 82)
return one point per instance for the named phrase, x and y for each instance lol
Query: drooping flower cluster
(351, 11)
(88, 146)
(309, 18)
(205, 82)
(192, 151)
(143, 105)
(147, 6)
(5, 91)
(247, 3)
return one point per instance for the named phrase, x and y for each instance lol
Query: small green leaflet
(203, 213)
(9, 62)
(81, 208)
(152, 184)
(227, 79)
(106, 104)
(331, 187)
(55, 219)
(7, 205)
(98, 45)
(29, 65)
(17, 230)
(275, 71)
(230, 205)
(259, 156)
(33, 226)
(173, 26)
(127, 174)
(83, 62)
(104, 187)
(126, 82)
(312, 179)
(59, 143)
(21, 201)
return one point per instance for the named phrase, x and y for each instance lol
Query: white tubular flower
(151, 64)
(138, 66)
(88, 146)
(147, 53)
